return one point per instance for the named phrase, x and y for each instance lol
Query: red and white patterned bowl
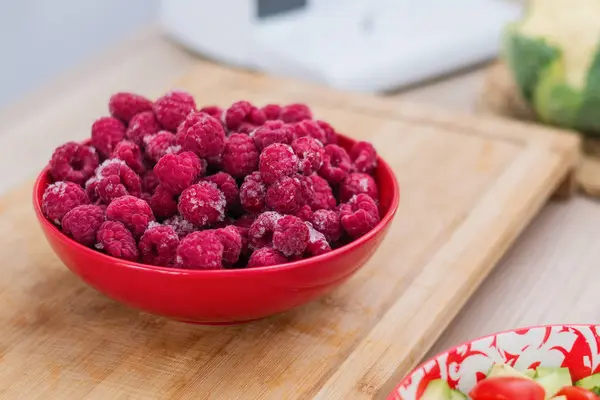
(576, 347)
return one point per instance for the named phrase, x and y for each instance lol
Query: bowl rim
(383, 223)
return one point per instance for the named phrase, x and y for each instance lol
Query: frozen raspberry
(322, 194)
(125, 105)
(201, 134)
(231, 240)
(330, 134)
(61, 197)
(106, 133)
(252, 193)
(116, 179)
(317, 243)
(200, 250)
(91, 189)
(131, 154)
(295, 113)
(240, 157)
(133, 212)
(142, 125)
(305, 213)
(163, 203)
(181, 225)
(266, 135)
(261, 231)
(82, 223)
(246, 128)
(175, 172)
(291, 236)
(310, 153)
(271, 111)
(156, 145)
(243, 111)
(308, 128)
(213, 111)
(357, 183)
(117, 241)
(359, 215)
(149, 182)
(266, 256)
(275, 124)
(245, 221)
(328, 223)
(276, 161)
(336, 164)
(158, 245)
(243, 225)
(285, 195)
(364, 157)
(228, 186)
(202, 204)
(173, 108)
(73, 162)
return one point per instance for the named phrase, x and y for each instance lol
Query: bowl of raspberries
(214, 215)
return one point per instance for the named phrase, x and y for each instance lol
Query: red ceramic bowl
(221, 296)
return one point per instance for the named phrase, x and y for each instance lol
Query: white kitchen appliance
(358, 45)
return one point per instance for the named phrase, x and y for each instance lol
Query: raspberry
(276, 124)
(156, 145)
(330, 135)
(364, 157)
(243, 225)
(163, 203)
(61, 197)
(276, 161)
(261, 231)
(266, 135)
(246, 128)
(272, 111)
(142, 125)
(91, 189)
(173, 108)
(116, 179)
(82, 223)
(357, 183)
(202, 204)
(125, 105)
(106, 133)
(310, 153)
(200, 250)
(231, 240)
(131, 154)
(308, 128)
(181, 225)
(266, 256)
(240, 156)
(291, 236)
(359, 215)
(295, 113)
(175, 172)
(201, 134)
(149, 182)
(133, 212)
(336, 164)
(317, 243)
(245, 221)
(243, 111)
(228, 186)
(322, 194)
(305, 213)
(117, 241)
(213, 111)
(328, 223)
(252, 193)
(285, 196)
(158, 245)
(73, 162)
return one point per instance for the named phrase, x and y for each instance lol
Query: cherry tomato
(507, 388)
(577, 393)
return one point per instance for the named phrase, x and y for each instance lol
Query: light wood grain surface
(548, 275)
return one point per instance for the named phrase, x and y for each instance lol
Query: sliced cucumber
(530, 373)
(506, 370)
(456, 395)
(553, 381)
(589, 382)
(437, 389)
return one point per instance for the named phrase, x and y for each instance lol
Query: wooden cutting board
(469, 186)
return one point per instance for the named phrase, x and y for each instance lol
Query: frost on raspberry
(240, 155)
(200, 250)
(213, 111)
(156, 145)
(125, 106)
(359, 215)
(158, 245)
(106, 133)
(261, 231)
(228, 186)
(231, 240)
(173, 108)
(295, 113)
(163, 203)
(323, 197)
(266, 256)
(252, 193)
(268, 134)
(285, 195)
(308, 128)
(141, 126)
(310, 154)
(132, 155)
(201, 134)
(305, 213)
(357, 183)
(61, 197)
(328, 223)
(132, 212)
(182, 226)
(364, 157)
(317, 243)
(202, 204)
(330, 134)
(243, 113)
(73, 162)
(271, 111)
(336, 164)
(114, 239)
(82, 223)
(276, 161)
(115, 179)
(291, 236)
(175, 172)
